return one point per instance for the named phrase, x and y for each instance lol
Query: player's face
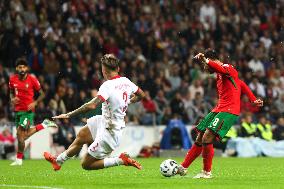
(22, 70)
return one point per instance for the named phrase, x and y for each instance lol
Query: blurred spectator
(65, 135)
(279, 104)
(42, 112)
(150, 109)
(35, 61)
(208, 15)
(158, 55)
(6, 142)
(264, 129)
(196, 87)
(177, 107)
(257, 88)
(256, 65)
(278, 133)
(248, 128)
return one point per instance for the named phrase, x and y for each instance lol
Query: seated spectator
(257, 87)
(6, 143)
(177, 107)
(248, 129)
(150, 108)
(279, 104)
(264, 129)
(278, 133)
(161, 102)
(42, 112)
(167, 116)
(65, 135)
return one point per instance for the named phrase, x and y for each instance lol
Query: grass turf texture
(228, 173)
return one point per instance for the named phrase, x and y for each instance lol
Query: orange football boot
(129, 161)
(52, 160)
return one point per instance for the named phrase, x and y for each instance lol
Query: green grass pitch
(232, 173)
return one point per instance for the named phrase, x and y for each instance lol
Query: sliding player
(103, 132)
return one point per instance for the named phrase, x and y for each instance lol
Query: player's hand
(15, 100)
(32, 105)
(61, 116)
(200, 57)
(258, 102)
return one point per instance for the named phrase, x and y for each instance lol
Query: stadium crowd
(155, 41)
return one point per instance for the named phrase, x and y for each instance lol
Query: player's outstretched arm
(92, 104)
(139, 95)
(215, 66)
(246, 90)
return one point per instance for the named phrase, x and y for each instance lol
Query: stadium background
(155, 41)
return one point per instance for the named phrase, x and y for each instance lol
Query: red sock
(20, 155)
(39, 127)
(207, 154)
(191, 155)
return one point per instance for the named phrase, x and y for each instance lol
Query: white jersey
(116, 94)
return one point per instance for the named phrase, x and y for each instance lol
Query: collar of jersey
(115, 77)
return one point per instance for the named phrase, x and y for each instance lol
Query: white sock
(62, 158)
(110, 162)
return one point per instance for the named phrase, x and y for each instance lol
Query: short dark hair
(110, 61)
(211, 54)
(21, 61)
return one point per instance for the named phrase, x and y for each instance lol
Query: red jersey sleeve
(224, 69)
(36, 83)
(246, 90)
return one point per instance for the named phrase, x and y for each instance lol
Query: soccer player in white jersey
(103, 132)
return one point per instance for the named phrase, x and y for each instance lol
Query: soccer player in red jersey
(22, 87)
(219, 121)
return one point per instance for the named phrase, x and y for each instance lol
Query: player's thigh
(205, 122)
(84, 136)
(222, 123)
(24, 119)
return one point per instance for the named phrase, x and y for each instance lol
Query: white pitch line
(26, 186)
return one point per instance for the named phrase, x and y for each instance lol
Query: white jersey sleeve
(133, 87)
(103, 92)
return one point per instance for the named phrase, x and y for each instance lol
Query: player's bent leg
(83, 137)
(90, 163)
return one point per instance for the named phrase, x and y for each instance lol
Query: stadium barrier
(134, 138)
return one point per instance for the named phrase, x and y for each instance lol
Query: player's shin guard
(207, 154)
(110, 162)
(62, 158)
(191, 155)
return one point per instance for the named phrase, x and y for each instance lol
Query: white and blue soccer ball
(169, 168)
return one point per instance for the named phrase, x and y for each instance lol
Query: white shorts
(105, 141)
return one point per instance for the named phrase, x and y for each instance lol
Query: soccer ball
(169, 168)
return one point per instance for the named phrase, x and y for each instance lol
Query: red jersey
(229, 88)
(24, 90)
